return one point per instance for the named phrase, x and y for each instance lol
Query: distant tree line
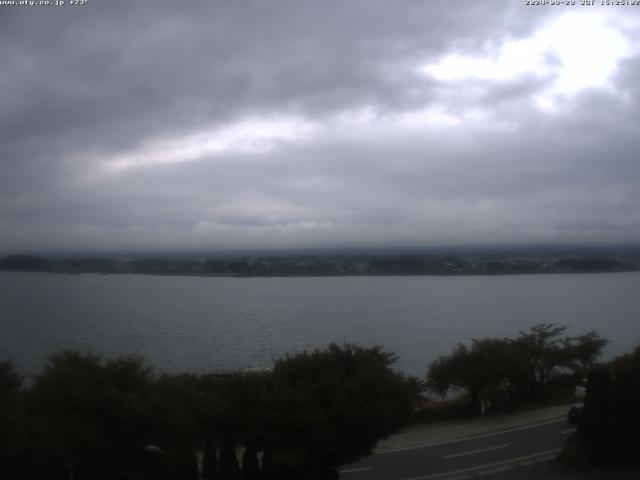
(503, 371)
(86, 418)
(323, 265)
(25, 263)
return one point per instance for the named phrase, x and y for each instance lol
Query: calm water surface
(200, 324)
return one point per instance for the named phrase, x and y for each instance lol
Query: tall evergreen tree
(229, 466)
(250, 463)
(610, 426)
(595, 425)
(210, 458)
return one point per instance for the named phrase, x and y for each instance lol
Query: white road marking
(489, 465)
(484, 435)
(571, 430)
(353, 470)
(471, 452)
(545, 459)
(461, 477)
(496, 470)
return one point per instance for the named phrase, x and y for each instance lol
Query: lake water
(200, 324)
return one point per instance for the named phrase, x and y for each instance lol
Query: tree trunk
(474, 403)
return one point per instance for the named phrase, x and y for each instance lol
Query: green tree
(65, 399)
(523, 366)
(488, 362)
(545, 351)
(99, 418)
(250, 463)
(610, 427)
(595, 424)
(330, 407)
(583, 352)
(551, 355)
(11, 417)
(171, 417)
(231, 406)
(210, 458)
(229, 466)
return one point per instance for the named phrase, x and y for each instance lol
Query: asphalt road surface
(480, 456)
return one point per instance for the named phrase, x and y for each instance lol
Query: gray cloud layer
(138, 125)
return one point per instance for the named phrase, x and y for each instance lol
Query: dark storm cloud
(112, 74)
(217, 124)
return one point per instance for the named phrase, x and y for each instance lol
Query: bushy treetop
(524, 364)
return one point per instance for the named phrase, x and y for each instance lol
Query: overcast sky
(139, 125)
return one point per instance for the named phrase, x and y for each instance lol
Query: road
(479, 456)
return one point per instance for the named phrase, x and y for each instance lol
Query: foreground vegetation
(609, 428)
(499, 372)
(87, 418)
(84, 417)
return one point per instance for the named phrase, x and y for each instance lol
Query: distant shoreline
(330, 265)
(329, 275)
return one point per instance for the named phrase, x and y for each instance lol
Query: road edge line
(472, 437)
(489, 465)
(480, 450)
